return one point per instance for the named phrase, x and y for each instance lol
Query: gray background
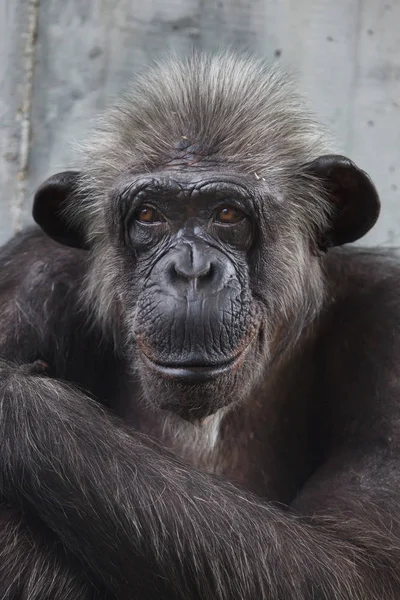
(61, 60)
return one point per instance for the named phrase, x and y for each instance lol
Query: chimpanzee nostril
(193, 272)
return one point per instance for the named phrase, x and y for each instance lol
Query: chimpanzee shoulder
(41, 315)
(364, 277)
(359, 340)
(31, 258)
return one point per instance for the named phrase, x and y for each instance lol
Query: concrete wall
(61, 60)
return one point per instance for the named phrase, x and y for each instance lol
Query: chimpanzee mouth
(194, 372)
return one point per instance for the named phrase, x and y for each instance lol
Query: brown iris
(229, 215)
(148, 214)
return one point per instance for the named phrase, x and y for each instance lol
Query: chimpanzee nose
(193, 264)
(190, 263)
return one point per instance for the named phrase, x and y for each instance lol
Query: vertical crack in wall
(29, 57)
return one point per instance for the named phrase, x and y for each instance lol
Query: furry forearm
(145, 524)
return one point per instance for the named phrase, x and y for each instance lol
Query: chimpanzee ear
(353, 195)
(50, 206)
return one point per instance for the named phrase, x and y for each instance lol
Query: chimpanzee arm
(34, 565)
(147, 526)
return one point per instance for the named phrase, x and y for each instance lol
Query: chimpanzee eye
(148, 214)
(229, 215)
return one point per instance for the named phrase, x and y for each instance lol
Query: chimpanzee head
(207, 200)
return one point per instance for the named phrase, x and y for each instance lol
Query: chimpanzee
(200, 381)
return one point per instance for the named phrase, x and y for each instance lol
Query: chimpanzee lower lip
(190, 372)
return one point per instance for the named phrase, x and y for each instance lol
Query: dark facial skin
(195, 319)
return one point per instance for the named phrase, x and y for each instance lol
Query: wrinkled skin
(195, 321)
